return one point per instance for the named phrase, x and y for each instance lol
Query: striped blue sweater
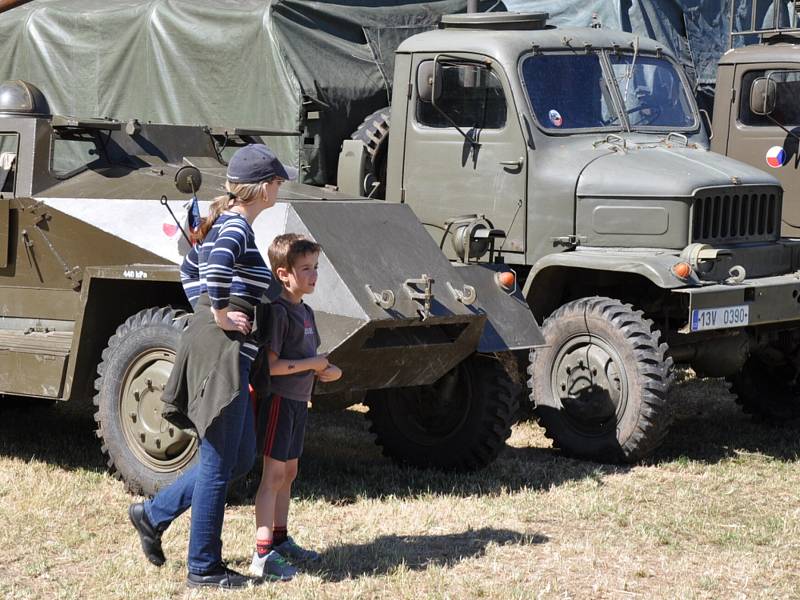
(226, 264)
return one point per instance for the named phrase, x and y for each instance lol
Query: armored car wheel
(461, 422)
(600, 384)
(769, 390)
(141, 448)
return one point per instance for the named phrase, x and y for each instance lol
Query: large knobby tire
(141, 448)
(768, 390)
(600, 386)
(459, 423)
(374, 134)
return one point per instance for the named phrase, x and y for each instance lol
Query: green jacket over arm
(205, 378)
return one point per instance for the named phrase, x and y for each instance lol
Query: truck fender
(547, 283)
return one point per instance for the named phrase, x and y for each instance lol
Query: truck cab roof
(775, 52)
(512, 43)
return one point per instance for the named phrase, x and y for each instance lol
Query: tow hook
(384, 298)
(466, 295)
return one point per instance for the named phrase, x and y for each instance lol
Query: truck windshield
(652, 91)
(569, 91)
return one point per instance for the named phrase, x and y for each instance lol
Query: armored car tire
(600, 385)
(141, 448)
(459, 423)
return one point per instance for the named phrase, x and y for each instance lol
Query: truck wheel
(374, 134)
(600, 385)
(766, 390)
(141, 448)
(459, 423)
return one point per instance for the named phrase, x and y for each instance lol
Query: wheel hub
(154, 440)
(588, 379)
(430, 414)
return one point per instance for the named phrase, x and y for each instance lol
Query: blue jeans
(226, 452)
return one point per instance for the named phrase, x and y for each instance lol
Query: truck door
(759, 141)
(9, 145)
(445, 175)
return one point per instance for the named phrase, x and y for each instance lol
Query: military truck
(92, 304)
(756, 109)
(634, 244)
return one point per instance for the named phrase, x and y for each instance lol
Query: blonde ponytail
(238, 193)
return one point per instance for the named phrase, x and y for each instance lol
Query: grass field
(713, 515)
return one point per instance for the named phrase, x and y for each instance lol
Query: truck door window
(652, 91)
(8, 162)
(472, 96)
(787, 90)
(568, 91)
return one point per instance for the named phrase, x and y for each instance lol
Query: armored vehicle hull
(93, 303)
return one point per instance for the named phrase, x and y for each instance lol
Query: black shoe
(222, 577)
(149, 536)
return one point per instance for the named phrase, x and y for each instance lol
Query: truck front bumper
(762, 301)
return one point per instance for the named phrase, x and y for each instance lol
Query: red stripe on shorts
(273, 424)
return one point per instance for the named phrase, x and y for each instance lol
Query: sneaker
(272, 567)
(289, 549)
(221, 577)
(149, 536)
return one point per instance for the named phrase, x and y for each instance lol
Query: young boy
(293, 363)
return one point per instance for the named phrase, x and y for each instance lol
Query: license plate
(704, 319)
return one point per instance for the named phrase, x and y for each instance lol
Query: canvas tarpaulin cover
(243, 63)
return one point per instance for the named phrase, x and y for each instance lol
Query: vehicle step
(54, 343)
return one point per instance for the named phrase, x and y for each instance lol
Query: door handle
(513, 163)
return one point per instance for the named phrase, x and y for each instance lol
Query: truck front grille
(736, 215)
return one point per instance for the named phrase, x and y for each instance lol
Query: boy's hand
(319, 363)
(332, 373)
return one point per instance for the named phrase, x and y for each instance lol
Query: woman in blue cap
(225, 278)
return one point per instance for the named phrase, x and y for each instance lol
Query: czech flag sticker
(776, 156)
(555, 117)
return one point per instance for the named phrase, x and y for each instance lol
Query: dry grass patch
(713, 515)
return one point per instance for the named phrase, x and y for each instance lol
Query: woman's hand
(332, 373)
(232, 320)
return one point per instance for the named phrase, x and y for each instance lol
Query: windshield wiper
(630, 69)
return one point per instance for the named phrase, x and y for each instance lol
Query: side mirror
(188, 179)
(429, 81)
(762, 96)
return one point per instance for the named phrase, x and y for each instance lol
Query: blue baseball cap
(255, 163)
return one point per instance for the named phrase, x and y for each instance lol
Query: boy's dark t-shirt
(293, 336)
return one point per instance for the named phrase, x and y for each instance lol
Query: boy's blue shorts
(286, 428)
